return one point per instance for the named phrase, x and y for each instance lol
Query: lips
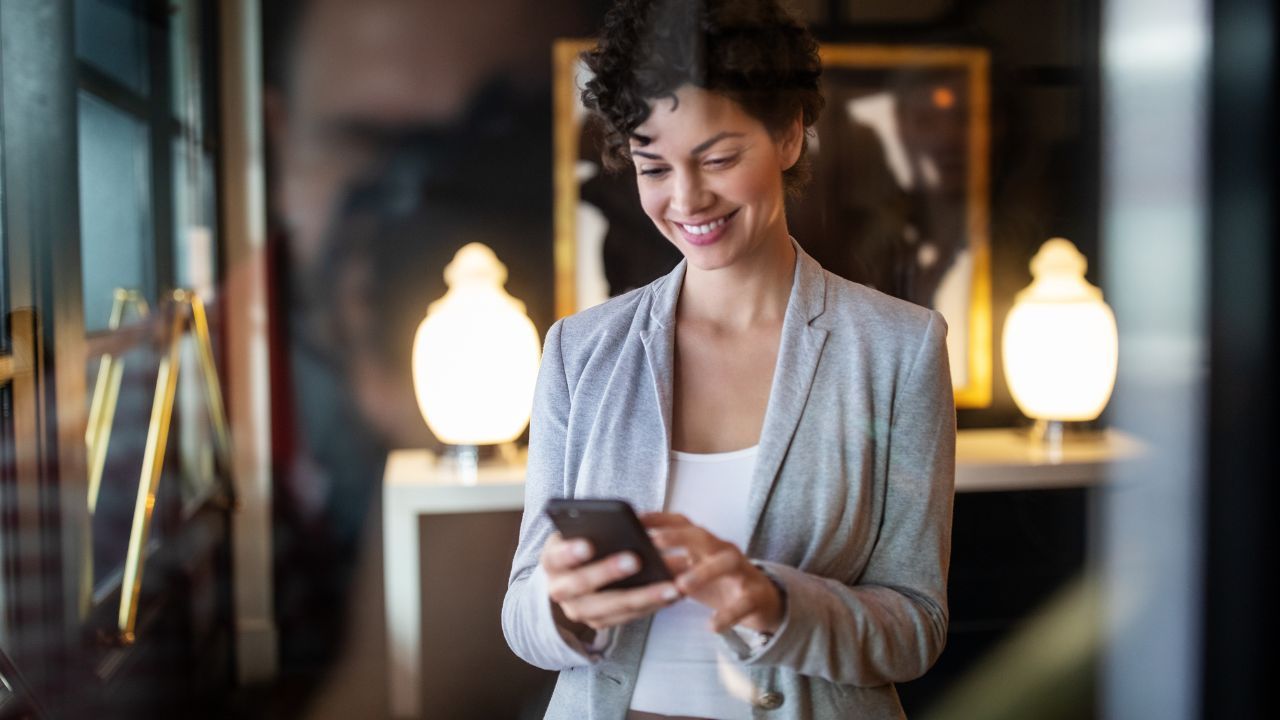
(705, 233)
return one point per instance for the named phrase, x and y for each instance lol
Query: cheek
(654, 203)
(762, 186)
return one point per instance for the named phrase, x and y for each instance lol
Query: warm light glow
(475, 356)
(1060, 344)
(943, 98)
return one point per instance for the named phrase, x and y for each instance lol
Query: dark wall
(1241, 629)
(1044, 130)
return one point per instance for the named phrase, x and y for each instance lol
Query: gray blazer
(850, 504)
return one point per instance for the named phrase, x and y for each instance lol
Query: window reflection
(115, 207)
(112, 37)
(148, 225)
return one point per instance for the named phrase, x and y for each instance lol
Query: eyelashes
(714, 163)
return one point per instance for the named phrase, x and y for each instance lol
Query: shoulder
(599, 321)
(876, 330)
(851, 305)
(603, 328)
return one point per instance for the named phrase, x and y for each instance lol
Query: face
(710, 177)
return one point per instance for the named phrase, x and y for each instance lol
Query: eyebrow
(698, 150)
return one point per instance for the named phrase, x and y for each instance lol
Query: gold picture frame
(913, 143)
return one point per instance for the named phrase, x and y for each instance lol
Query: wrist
(770, 619)
(584, 633)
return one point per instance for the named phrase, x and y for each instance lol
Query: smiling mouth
(706, 228)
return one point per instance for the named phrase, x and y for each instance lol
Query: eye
(653, 172)
(720, 162)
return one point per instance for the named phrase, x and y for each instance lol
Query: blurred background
(222, 223)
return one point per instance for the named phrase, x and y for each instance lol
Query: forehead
(691, 117)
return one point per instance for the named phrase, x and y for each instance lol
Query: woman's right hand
(574, 582)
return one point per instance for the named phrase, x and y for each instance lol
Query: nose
(690, 194)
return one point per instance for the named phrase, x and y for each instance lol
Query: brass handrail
(212, 386)
(97, 432)
(157, 441)
(106, 394)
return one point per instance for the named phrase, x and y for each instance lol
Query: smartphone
(612, 527)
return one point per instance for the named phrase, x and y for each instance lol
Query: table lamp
(475, 359)
(1060, 343)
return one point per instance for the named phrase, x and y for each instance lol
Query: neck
(751, 291)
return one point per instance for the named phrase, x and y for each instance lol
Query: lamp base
(464, 460)
(1053, 434)
(1048, 432)
(1065, 431)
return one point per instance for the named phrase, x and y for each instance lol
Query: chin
(714, 257)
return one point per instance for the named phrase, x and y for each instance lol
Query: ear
(790, 142)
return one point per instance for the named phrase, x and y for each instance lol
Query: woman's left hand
(718, 575)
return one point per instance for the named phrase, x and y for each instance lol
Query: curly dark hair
(751, 51)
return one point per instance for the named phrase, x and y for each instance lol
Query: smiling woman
(789, 435)
(719, 199)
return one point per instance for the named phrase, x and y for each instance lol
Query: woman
(789, 434)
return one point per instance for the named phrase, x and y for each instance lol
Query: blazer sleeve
(891, 624)
(527, 622)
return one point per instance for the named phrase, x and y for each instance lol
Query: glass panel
(194, 219)
(194, 259)
(115, 207)
(7, 454)
(4, 290)
(195, 267)
(111, 35)
(184, 69)
(194, 466)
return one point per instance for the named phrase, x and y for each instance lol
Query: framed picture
(899, 198)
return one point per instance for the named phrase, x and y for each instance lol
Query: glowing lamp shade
(1060, 345)
(475, 356)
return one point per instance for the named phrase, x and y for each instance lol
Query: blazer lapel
(659, 347)
(798, 354)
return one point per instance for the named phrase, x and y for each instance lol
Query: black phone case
(611, 526)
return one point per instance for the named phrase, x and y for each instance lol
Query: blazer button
(770, 701)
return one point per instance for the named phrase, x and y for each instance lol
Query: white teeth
(704, 229)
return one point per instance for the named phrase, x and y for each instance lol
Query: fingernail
(627, 563)
(582, 550)
(670, 593)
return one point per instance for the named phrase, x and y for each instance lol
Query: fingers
(570, 584)
(677, 563)
(710, 568)
(559, 554)
(663, 519)
(614, 607)
(693, 539)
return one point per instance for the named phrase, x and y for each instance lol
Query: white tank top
(685, 670)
